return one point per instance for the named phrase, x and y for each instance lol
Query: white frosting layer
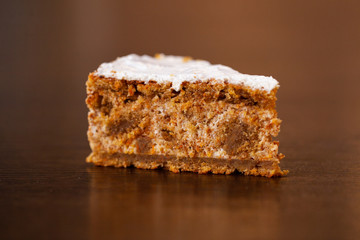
(176, 70)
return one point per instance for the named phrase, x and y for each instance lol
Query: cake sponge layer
(224, 121)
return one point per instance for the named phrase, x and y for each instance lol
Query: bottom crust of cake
(266, 168)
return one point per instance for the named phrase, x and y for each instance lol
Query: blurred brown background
(311, 47)
(48, 48)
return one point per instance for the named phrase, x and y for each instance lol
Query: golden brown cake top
(176, 69)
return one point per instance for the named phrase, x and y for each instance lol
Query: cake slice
(182, 115)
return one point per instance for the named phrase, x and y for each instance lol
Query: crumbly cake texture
(182, 115)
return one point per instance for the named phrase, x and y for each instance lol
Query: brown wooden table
(47, 191)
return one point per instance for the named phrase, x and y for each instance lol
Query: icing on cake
(176, 69)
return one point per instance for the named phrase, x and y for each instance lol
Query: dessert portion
(182, 115)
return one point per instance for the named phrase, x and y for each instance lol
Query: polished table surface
(47, 191)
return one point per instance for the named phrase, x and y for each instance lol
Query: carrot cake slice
(182, 115)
